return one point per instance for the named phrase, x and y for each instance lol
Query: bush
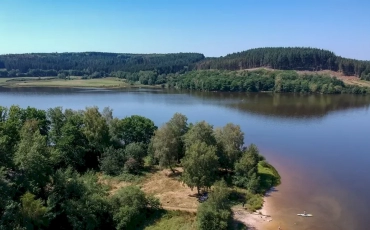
(215, 213)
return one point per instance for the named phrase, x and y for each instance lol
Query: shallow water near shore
(319, 143)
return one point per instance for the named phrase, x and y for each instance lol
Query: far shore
(106, 83)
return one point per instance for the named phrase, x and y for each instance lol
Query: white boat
(304, 215)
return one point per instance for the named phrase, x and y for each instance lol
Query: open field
(109, 82)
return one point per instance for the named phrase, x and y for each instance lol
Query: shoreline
(262, 219)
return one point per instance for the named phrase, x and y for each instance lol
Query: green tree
(200, 131)
(7, 190)
(246, 170)
(200, 165)
(178, 126)
(33, 212)
(78, 202)
(134, 153)
(130, 207)
(230, 139)
(96, 131)
(33, 158)
(71, 146)
(95, 128)
(215, 213)
(136, 129)
(57, 120)
(112, 161)
(163, 145)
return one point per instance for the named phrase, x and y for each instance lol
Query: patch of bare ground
(349, 80)
(254, 221)
(172, 193)
(113, 184)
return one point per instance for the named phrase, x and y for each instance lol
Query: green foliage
(230, 140)
(163, 145)
(130, 207)
(287, 58)
(200, 165)
(33, 212)
(95, 128)
(253, 201)
(136, 129)
(269, 177)
(167, 145)
(46, 158)
(200, 131)
(263, 80)
(33, 158)
(77, 202)
(178, 127)
(215, 213)
(70, 144)
(246, 170)
(112, 161)
(95, 64)
(170, 220)
(7, 190)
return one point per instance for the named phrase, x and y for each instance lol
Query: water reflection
(286, 106)
(296, 106)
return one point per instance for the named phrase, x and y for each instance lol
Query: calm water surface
(319, 143)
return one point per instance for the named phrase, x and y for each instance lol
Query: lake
(319, 143)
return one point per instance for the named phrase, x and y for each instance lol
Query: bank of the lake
(318, 143)
(73, 82)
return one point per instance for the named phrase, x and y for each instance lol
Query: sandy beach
(262, 219)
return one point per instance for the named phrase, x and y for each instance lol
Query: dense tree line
(262, 80)
(286, 58)
(89, 63)
(50, 162)
(157, 68)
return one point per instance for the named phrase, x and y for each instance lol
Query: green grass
(268, 175)
(21, 79)
(269, 178)
(109, 82)
(169, 220)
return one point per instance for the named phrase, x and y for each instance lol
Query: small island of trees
(53, 164)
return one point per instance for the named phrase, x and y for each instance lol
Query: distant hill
(158, 66)
(290, 58)
(49, 64)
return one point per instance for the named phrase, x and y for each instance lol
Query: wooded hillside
(156, 67)
(78, 64)
(289, 59)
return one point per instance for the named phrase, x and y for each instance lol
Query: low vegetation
(65, 169)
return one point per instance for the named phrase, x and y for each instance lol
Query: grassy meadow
(109, 82)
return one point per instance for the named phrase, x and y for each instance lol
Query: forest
(93, 64)
(289, 58)
(157, 68)
(262, 81)
(52, 163)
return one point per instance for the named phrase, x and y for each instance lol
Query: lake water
(320, 144)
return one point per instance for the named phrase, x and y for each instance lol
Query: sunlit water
(319, 143)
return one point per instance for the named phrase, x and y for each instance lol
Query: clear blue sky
(212, 27)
